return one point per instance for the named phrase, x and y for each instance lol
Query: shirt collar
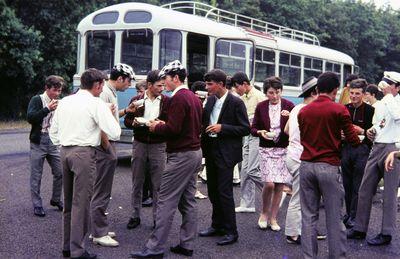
(113, 90)
(147, 97)
(222, 99)
(179, 88)
(324, 98)
(46, 98)
(250, 93)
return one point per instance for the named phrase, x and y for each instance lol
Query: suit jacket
(234, 126)
(35, 115)
(262, 121)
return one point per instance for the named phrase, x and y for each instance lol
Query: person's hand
(215, 128)
(263, 133)
(131, 108)
(358, 129)
(153, 123)
(390, 160)
(371, 133)
(52, 105)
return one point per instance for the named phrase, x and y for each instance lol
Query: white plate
(141, 120)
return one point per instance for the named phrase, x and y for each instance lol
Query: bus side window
(170, 46)
(312, 67)
(265, 64)
(100, 49)
(290, 69)
(137, 50)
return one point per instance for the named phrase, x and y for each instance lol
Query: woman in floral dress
(269, 122)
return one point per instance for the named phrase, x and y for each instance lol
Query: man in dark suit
(225, 122)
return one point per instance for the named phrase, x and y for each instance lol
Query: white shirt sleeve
(392, 106)
(106, 120)
(53, 131)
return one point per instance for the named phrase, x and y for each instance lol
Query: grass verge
(20, 124)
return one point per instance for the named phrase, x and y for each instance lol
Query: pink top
(295, 148)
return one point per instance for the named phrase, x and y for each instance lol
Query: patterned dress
(272, 160)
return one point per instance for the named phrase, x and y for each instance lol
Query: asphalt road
(22, 235)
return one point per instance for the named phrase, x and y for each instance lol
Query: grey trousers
(318, 179)
(106, 162)
(374, 171)
(151, 157)
(40, 152)
(250, 175)
(177, 190)
(293, 216)
(79, 170)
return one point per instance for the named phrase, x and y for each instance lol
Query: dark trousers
(353, 164)
(220, 191)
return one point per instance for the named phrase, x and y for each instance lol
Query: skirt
(272, 165)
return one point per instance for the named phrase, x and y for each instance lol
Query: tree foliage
(38, 38)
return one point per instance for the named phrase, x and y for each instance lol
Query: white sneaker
(262, 224)
(275, 226)
(243, 209)
(110, 234)
(105, 241)
(199, 195)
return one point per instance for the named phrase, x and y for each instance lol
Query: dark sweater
(35, 115)
(362, 117)
(262, 121)
(183, 125)
(142, 133)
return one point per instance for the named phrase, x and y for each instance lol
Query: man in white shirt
(40, 112)
(121, 77)
(294, 150)
(250, 169)
(148, 149)
(77, 124)
(385, 133)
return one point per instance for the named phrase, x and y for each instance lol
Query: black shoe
(86, 255)
(290, 240)
(57, 204)
(133, 223)
(380, 240)
(66, 253)
(349, 223)
(354, 234)
(39, 211)
(180, 250)
(147, 203)
(146, 253)
(211, 232)
(228, 239)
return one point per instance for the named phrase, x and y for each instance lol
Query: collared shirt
(151, 107)
(217, 111)
(109, 95)
(79, 118)
(387, 120)
(295, 148)
(320, 124)
(179, 88)
(46, 120)
(251, 99)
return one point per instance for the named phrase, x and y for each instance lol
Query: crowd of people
(318, 150)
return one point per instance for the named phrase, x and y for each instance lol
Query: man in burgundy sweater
(321, 123)
(178, 184)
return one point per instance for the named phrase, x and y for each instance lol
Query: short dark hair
(374, 90)
(272, 82)
(229, 83)
(327, 82)
(198, 86)
(310, 92)
(351, 77)
(180, 72)
(359, 83)
(90, 77)
(240, 78)
(216, 75)
(54, 81)
(141, 84)
(153, 76)
(114, 74)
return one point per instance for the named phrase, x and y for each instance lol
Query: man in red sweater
(321, 123)
(178, 184)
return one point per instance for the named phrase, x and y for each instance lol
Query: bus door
(197, 57)
(234, 55)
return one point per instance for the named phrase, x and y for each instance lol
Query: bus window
(137, 50)
(197, 57)
(106, 18)
(290, 69)
(265, 64)
(100, 49)
(170, 46)
(137, 17)
(333, 67)
(346, 71)
(230, 56)
(312, 67)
